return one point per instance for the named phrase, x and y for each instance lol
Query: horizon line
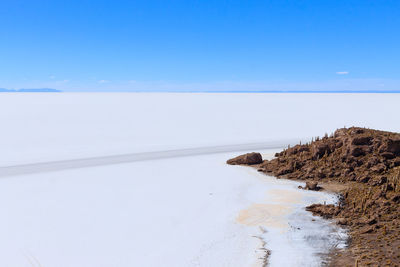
(263, 91)
(49, 90)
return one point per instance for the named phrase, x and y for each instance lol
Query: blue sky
(200, 45)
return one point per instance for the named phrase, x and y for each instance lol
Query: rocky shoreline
(363, 166)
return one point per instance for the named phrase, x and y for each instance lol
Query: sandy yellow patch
(269, 215)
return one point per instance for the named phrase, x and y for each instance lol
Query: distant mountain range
(37, 90)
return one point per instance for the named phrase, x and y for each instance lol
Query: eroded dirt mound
(368, 162)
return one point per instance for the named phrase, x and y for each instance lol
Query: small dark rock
(396, 198)
(357, 151)
(372, 221)
(357, 131)
(363, 179)
(396, 162)
(311, 185)
(388, 155)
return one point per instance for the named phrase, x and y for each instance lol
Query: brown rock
(372, 221)
(379, 168)
(361, 140)
(319, 150)
(396, 162)
(393, 146)
(326, 211)
(304, 148)
(357, 131)
(367, 221)
(311, 185)
(284, 170)
(367, 229)
(357, 151)
(363, 179)
(396, 198)
(388, 155)
(247, 159)
(292, 151)
(378, 181)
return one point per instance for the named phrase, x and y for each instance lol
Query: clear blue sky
(200, 45)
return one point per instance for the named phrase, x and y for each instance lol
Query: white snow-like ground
(191, 211)
(182, 211)
(46, 127)
(170, 212)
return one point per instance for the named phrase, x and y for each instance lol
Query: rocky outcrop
(368, 163)
(348, 155)
(326, 211)
(392, 146)
(248, 159)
